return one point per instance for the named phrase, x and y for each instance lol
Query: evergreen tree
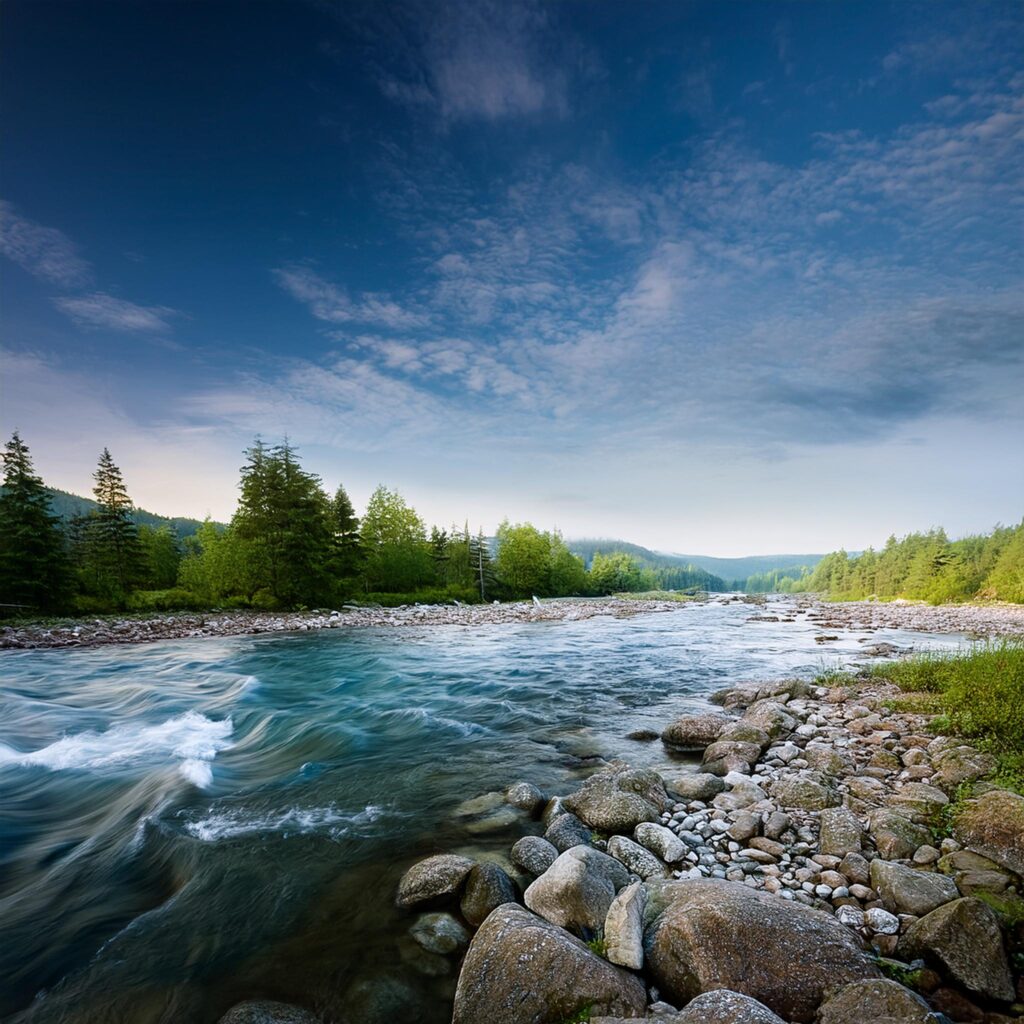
(113, 551)
(480, 563)
(348, 546)
(33, 561)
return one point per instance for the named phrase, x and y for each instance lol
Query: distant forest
(290, 544)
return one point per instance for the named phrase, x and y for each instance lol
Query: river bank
(861, 616)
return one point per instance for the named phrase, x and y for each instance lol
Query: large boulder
(577, 890)
(726, 756)
(961, 764)
(662, 841)
(266, 1011)
(520, 969)
(533, 854)
(905, 890)
(895, 836)
(803, 792)
(697, 786)
(695, 732)
(624, 927)
(918, 801)
(841, 832)
(875, 1001)
(567, 831)
(440, 933)
(526, 796)
(433, 879)
(963, 940)
(974, 873)
(637, 859)
(619, 798)
(771, 717)
(487, 887)
(725, 1007)
(993, 825)
(708, 934)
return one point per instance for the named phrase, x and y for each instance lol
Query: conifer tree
(113, 549)
(481, 563)
(348, 548)
(33, 561)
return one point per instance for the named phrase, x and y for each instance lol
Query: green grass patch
(657, 595)
(915, 704)
(598, 946)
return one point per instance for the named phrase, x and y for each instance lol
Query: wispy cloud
(44, 252)
(100, 310)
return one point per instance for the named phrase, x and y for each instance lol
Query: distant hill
(680, 565)
(751, 565)
(67, 506)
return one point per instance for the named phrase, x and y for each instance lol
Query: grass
(598, 946)
(657, 595)
(978, 693)
(581, 1016)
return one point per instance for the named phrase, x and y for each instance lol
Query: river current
(187, 824)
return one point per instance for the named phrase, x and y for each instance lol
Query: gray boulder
(624, 927)
(708, 934)
(993, 825)
(725, 1007)
(961, 764)
(619, 798)
(433, 879)
(266, 1011)
(526, 796)
(964, 941)
(439, 933)
(695, 732)
(802, 792)
(520, 968)
(533, 854)
(699, 786)
(771, 717)
(662, 841)
(567, 831)
(487, 887)
(905, 890)
(918, 801)
(577, 890)
(726, 756)
(637, 859)
(877, 1000)
(895, 836)
(841, 832)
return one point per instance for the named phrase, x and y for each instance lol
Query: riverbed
(187, 823)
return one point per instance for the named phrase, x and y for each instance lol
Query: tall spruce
(114, 552)
(348, 548)
(34, 568)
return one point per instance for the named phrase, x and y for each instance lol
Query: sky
(710, 277)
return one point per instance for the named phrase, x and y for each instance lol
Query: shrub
(173, 599)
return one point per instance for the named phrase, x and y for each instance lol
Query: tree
(524, 559)
(480, 563)
(395, 543)
(614, 573)
(567, 575)
(347, 543)
(161, 556)
(113, 552)
(33, 560)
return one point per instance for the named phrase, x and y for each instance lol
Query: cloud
(328, 302)
(100, 310)
(44, 252)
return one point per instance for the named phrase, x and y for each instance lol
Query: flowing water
(187, 824)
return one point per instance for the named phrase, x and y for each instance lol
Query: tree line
(289, 544)
(925, 567)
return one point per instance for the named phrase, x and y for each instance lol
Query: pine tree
(33, 562)
(481, 563)
(113, 548)
(348, 547)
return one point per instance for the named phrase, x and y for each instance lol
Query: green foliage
(598, 946)
(168, 600)
(348, 548)
(617, 572)
(394, 539)
(161, 556)
(1010, 908)
(910, 977)
(581, 1016)
(524, 559)
(927, 567)
(34, 570)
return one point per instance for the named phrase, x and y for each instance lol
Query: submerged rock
(520, 968)
(711, 934)
(439, 933)
(266, 1011)
(433, 878)
(487, 886)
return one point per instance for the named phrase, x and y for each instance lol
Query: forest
(290, 544)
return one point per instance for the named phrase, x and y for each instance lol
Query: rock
(895, 836)
(803, 793)
(520, 968)
(433, 879)
(577, 890)
(643, 735)
(725, 756)
(993, 825)
(745, 826)
(711, 934)
(974, 873)
(746, 732)
(918, 801)
(695, 732)
(533, 855)
(963, 939)
(881, 922)
(479, 805)
(771, 717)
(876, 999)
(961, 764)
(380, 1000)
(700, 786)
(526, 796)
(906, 890)
(624, 927)
(637, 859)
(856, 868)
(619, 798)
(567, 831)
(841, 832)
(725, 1007)
(440, 933)
(740, 795)
(850, 916)
(828, 761)
(266, 1011)
(487, 887)
(662, 841)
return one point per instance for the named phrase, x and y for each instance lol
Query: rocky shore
(829, 860)
(863, 616)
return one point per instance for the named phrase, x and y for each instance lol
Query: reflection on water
(186, 824)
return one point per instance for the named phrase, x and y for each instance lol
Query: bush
(173, 599)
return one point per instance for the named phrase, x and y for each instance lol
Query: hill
(67, 506)
(752, 565)
(678, 572)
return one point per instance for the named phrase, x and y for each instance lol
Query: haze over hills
(68, 506)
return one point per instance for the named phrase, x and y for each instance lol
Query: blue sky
(723, 277)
